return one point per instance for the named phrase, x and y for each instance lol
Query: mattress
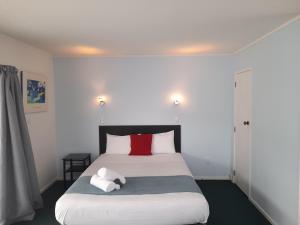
(147, 209)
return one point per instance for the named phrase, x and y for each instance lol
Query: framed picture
(34, 88)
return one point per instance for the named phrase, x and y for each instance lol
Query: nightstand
(75, 163)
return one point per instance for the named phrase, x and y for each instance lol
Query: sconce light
(101, 101)
(176, 99)
(176, 102)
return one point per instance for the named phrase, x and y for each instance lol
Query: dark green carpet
(228, 205)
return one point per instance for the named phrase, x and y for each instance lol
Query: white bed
(149, 209)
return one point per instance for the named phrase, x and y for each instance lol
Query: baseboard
(212, 177)
(268, 217)
(47, 185)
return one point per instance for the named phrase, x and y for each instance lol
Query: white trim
(250, 132)
(266, 215)
(298, 194)
(243, 70)
(144, 56)
(234, 136)
(48, 185)
(267, 34)
(250, 135)
(212, 177)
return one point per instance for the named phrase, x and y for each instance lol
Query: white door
(242, 134)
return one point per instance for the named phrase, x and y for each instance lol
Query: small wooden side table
(75, 163)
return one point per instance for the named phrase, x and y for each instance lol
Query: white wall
(41, 125)
(138, 91)
(276, 122)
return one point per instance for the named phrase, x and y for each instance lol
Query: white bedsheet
(158, 209)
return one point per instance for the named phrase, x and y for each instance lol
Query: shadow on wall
(267, 204)
(199, 164)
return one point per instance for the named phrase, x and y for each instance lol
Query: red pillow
(140, 144)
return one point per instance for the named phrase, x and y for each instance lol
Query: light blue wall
(276, 121)
(139, 90)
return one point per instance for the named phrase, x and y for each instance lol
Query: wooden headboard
(139, 129)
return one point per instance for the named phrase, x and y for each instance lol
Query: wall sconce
(177, 99)
(101, 101)
(176, 102)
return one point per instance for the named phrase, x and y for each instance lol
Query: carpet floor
(228, 205)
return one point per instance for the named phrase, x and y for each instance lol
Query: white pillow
(117, 144)
(163, 143)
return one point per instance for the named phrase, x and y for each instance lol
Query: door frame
(250, 131)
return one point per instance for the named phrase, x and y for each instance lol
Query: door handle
(246, 123)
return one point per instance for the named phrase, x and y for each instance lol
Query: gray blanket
(140, 186)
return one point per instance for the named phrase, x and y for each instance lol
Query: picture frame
(35, 92)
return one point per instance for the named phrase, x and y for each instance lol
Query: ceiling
(142, 27)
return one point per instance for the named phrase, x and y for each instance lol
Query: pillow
(163, 143)
(117, 144)
(141, 144)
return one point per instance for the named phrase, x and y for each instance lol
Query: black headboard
(139, 129)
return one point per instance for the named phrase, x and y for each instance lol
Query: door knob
(246, 123)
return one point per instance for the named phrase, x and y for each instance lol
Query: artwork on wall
(34, 88)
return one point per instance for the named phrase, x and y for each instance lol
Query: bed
(169, 207)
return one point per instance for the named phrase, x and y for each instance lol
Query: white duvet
(155, 209)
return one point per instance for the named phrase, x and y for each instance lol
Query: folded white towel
(107, 174)
(104, 185)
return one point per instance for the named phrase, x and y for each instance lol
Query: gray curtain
(19, 191)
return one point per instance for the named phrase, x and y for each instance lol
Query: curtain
(19, 191)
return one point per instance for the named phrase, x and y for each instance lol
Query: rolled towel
(104, 185)
(117, 181)
(110, 175)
